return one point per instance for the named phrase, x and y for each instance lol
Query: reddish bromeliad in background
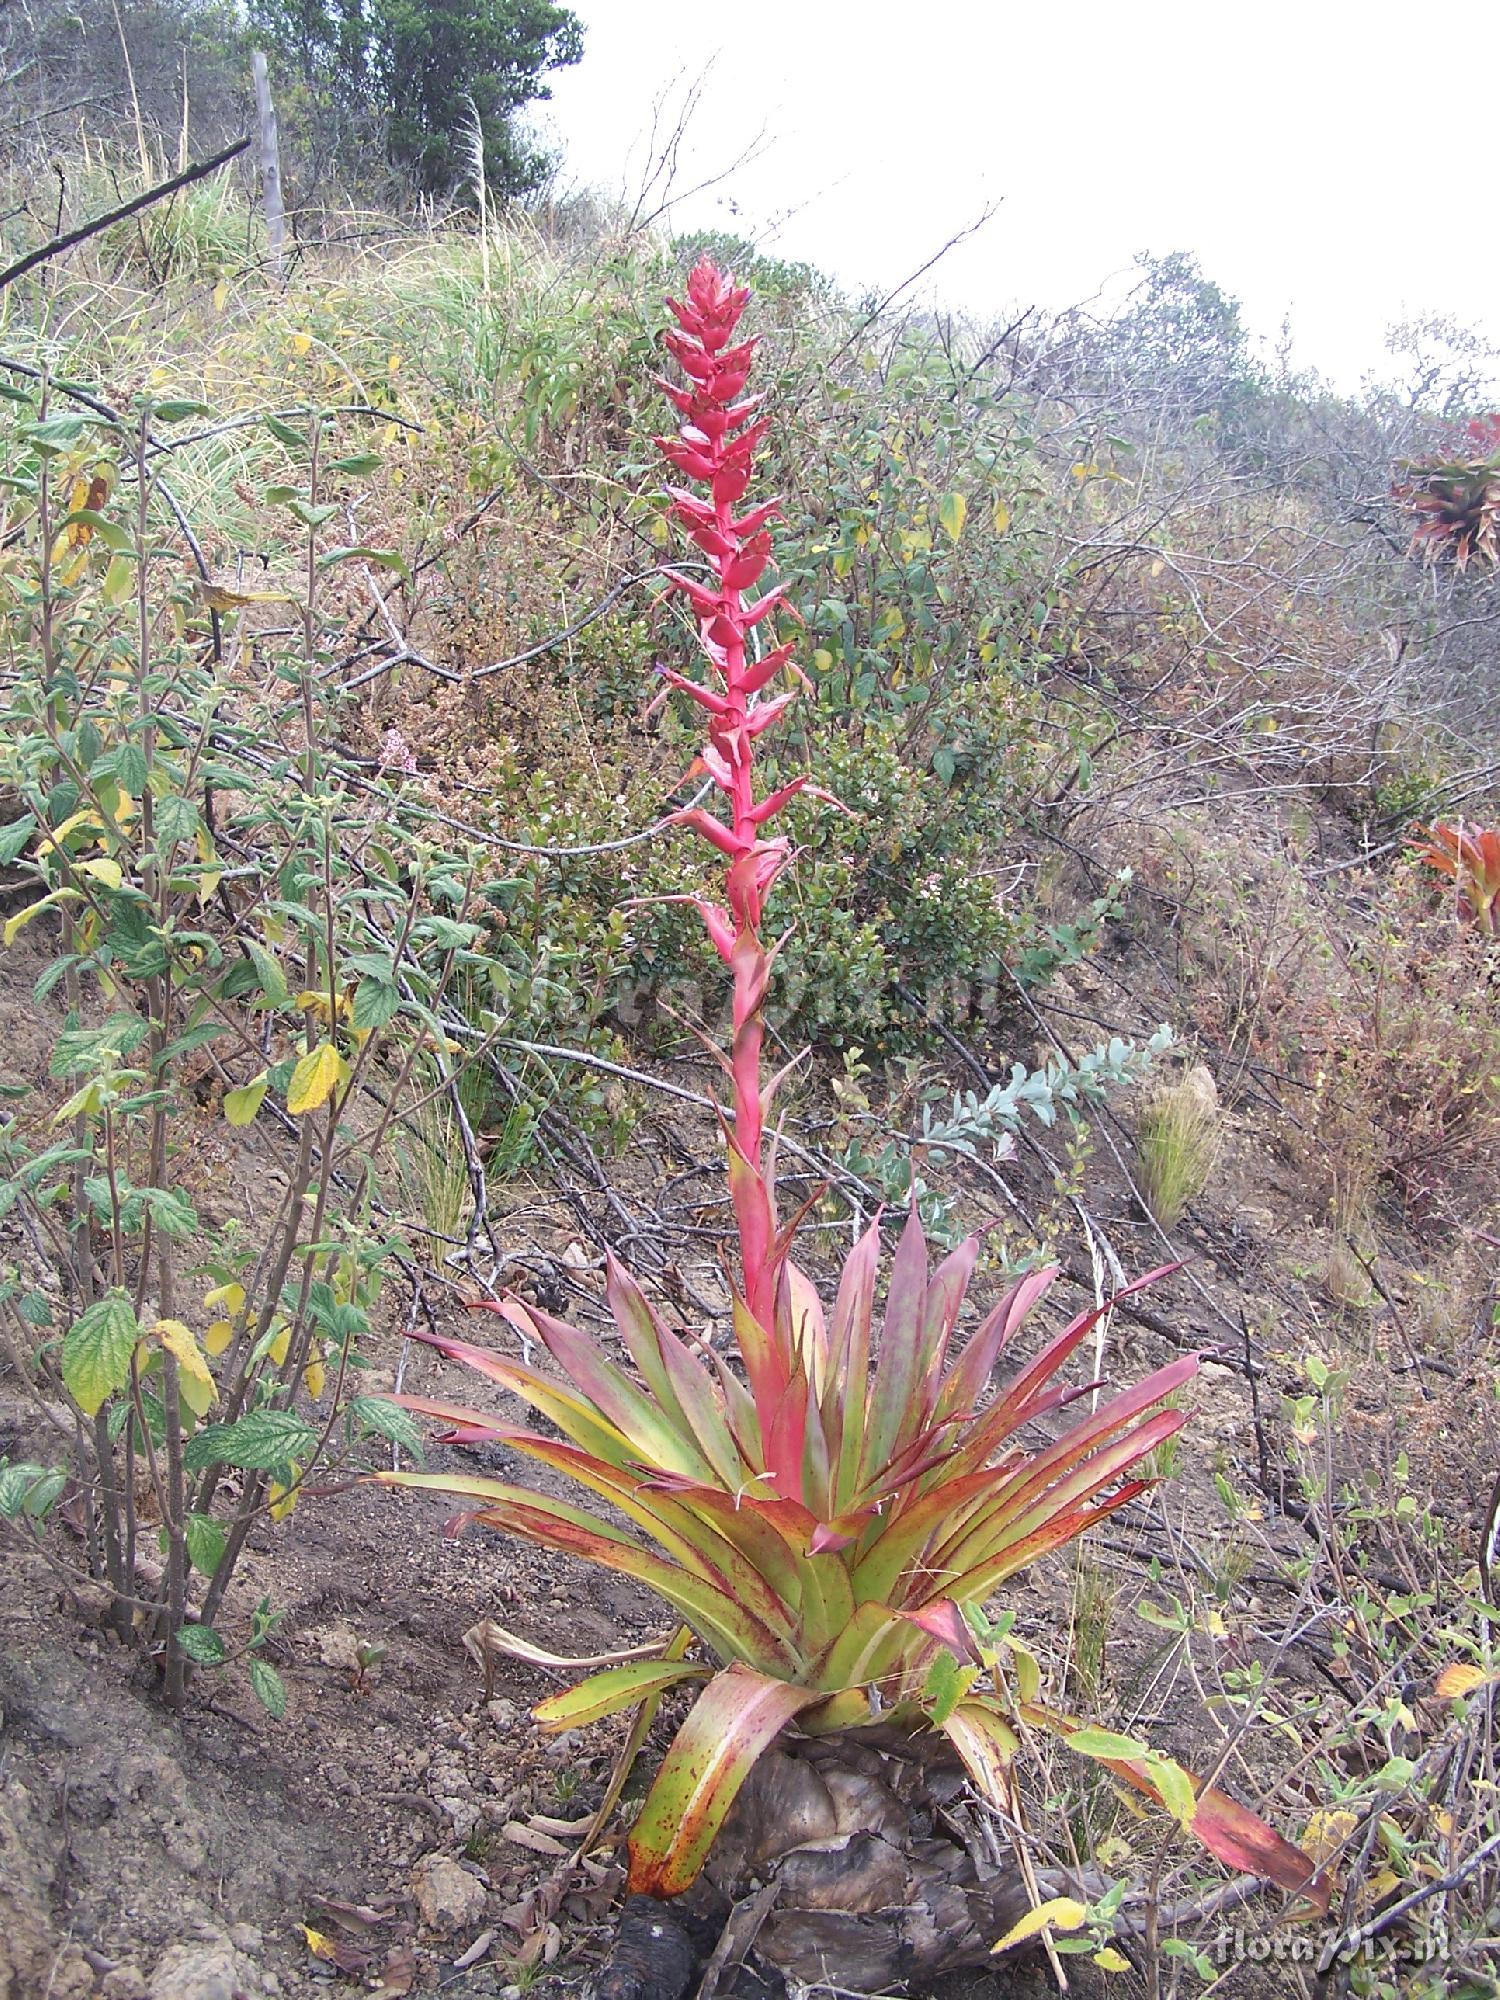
(1470, 858)
(827, 1511)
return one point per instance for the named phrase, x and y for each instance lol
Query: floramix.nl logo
(1323, 1950)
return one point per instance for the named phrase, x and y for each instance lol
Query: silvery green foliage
(983, 1126)
(1060, 1085)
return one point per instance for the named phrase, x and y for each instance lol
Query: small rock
(463, 1813)
(501, 1713)
(448, 1897)
(246, 1937)
(126, 1982)
(338, 1647)
(203, 1972)
(185, 1845)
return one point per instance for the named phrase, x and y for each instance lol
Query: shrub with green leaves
(227, 924)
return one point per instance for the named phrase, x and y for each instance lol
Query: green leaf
(205, 1543)
(284, 434)
(382, 1418)
(54, 434)
(177, 820)
(96, 1351)
(173, 1212)
(43, 1493)
(376, 1001)
(265, 1441)
(111, 533)
(1092, 1742)
(358, 462)
(272, 979)
(176, 410)
(127, 763)
(14, 837)
(382, 558)
(16, 1481)
(240, 1106)
(310, 516)
(269, 1687)
(202, 1645)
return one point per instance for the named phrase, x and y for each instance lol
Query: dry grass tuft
(1177, 1144)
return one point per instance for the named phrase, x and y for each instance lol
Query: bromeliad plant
(1456, 502)
(830, 1510)
(1470, 858)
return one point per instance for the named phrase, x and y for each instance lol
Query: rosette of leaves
(1456, 502)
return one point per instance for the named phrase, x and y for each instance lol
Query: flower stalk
(715, 446)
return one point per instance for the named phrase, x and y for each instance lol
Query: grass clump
(1177, 1145)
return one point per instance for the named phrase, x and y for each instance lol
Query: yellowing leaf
(231, 1297)
(315, 1379)
(953, 511)
(1110, 1960)
(1059, 1913)
(1461, 1680)
(240, 1107)
(301, 342)
(218, 1336)
(209, 880)
(1001, 516)
(1327, 1831)
(86, 817)
(18, 923)
(101, 870)
(317, 1944)
(283, 1499)
(315, 1079)
(281, 1341)
(221, 293)
(226, 597)
(195, 1385)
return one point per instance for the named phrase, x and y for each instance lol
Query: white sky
(1325, 160)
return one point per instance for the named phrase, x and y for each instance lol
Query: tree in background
(411, 67)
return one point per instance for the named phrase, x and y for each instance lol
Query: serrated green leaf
(96, 1351)
(205, 1543)
(270, 1688)
(265, 1441)
(376, 1415)
(376, 1001)
(202, 1645)
(284, 434)
(14, 838)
